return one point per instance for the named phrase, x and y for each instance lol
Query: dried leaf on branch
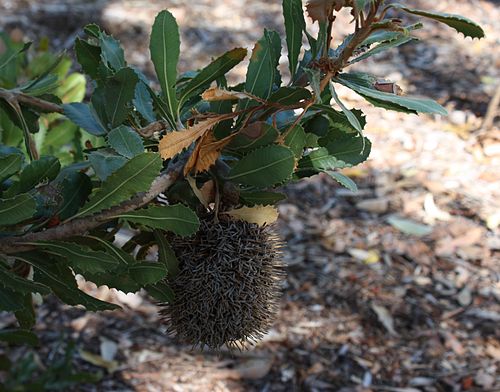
(174, 142)
(206, 153)
(261, 215)
(218, 94)
(320, 10)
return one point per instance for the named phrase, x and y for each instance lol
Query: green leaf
(256, 135)
(105, 162)
(119, 93)
(337, 120)
(312, 140)
(43, 170)
(213, 71)
(17, 209)
(10, 133)
(10, 56)
(319, 160)
(392, 101)
(146, 273)
(178, 219)
(18, 336)
(166, 254)
(98, 103)
(351, 149)
(10, 301)
(353, 120)
(264, 167)
(160, 291)
(383, 36)
(134, 177)
(44, 85)
(290, 95)
(263, 68)
(89, 57)
(314, 76)
(294, 26)
(75, 188)
(296, 140)
(461, 24)
(165, 49)
(143, 102)
(120, 280)
(26, 317)
(10, 165)
(343, 180)
(161, 107)
(72, 89)
(61, 280)
(60, 140)
(19, 284)
(81, 258)
(85, 117)
(399, 40)
(111, 52)
(261, 198)
(118, 253)
(361, 4)
(92, 30)
(125, 141)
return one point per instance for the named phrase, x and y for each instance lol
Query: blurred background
(393, 288)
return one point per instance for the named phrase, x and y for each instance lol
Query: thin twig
(492, 111)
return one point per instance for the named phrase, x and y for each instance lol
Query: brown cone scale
(228, 288)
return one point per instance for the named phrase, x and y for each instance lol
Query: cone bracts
(228, 288)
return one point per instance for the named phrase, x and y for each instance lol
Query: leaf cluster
(83, 182)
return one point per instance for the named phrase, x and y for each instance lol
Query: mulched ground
(367, 306)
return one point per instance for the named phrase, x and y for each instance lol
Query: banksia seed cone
(228, 288)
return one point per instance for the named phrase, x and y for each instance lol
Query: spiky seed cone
(228, 288)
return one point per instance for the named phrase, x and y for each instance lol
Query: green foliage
(178, 219)
(463, 25)
(125, 141)
(73, 174)
(262, 74)
(165, 51)
(29, 374)
(263, 167)
(17, 209)
(135, 176)
(294, 25)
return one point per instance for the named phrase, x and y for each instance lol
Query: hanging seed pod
(228, 287)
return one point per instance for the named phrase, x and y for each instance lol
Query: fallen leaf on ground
(377, 206)
(408, 226)
(368, 257)
(385, 318)
(97, 360)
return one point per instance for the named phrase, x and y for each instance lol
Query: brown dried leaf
(218, 94)
(320, 10)
(193, 158)
(202, 196)
(174, 142)
(388, 87)
(207, 190)
(206, 153)
(260, 215)
(209, 152)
